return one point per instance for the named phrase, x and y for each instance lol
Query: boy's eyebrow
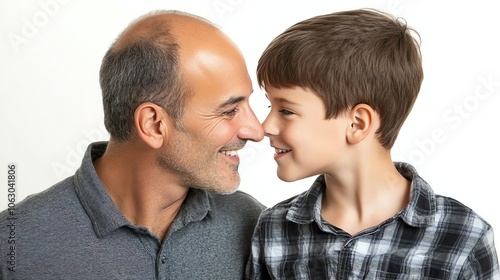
(283, 100)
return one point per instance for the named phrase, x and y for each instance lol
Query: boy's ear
(362, 121)
(151, 123)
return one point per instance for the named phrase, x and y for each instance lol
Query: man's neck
(144, 194)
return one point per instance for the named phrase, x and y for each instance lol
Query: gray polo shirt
(73, 230)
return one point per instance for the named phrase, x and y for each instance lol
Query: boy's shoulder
(277, 214)
(454, 213)
(284, 205)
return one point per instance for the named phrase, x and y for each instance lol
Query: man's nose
(252, 129)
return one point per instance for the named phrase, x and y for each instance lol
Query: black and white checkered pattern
(434, 237)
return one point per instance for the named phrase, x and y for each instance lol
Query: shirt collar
(421, 210)
(103, 212)
(195, 208)
(305, 208)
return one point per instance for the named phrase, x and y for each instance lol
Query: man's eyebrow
(231, 101)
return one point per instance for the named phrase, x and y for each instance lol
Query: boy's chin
(294, 173)
(287, 177)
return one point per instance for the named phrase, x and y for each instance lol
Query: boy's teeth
(230, 153)
(280, 151)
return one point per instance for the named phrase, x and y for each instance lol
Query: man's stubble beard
(173, 160)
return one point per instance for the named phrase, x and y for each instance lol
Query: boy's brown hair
(348, 58)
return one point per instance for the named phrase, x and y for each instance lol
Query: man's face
(217, 123)
(306, 143)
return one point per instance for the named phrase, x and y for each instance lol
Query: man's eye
(286, 112)
(230, 113)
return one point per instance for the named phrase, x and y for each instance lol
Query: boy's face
(306, 143)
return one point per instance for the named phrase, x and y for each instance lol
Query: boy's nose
(269, 127)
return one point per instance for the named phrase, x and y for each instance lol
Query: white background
(50, 101)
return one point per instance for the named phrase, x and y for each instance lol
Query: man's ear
(152, 124)
(362, 122)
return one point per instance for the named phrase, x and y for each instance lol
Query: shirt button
(163, 259)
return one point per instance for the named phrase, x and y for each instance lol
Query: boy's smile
(280, 152)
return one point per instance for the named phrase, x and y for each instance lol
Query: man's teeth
(230, 153)
(280, 151)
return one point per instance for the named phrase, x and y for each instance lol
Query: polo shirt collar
(101, 209)
(195, 208)
(103, 212)
(420, 211)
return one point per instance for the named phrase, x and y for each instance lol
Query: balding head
(154, 60)
(163, 27)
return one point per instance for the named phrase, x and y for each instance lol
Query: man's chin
(222, 191)
(219, 189)
(229, 189)
(225, 192)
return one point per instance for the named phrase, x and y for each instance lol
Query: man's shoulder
(44, 204)
(238, 201)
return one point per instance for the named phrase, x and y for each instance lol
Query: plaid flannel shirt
(434, 237)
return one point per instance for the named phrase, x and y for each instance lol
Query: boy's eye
(286, 112)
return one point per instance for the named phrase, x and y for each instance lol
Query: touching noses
(252, 129)
(269, 126)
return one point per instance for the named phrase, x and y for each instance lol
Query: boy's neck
(364, 195)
